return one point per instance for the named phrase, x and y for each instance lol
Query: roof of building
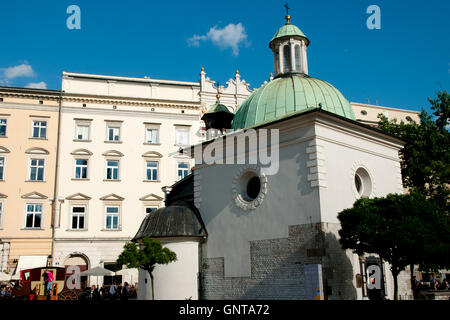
(289, 95)
(218, 107)
(289, 30)
(178, 220)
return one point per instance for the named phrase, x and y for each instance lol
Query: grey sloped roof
(178, 220)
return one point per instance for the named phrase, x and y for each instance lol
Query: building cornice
(26, 93)
(130, 101)
(68, 75)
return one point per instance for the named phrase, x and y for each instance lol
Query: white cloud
(37, 85)
(22, 70)
(230, 36)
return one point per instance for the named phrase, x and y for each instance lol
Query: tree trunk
(395, 274)
(411, 271)
(153, 290)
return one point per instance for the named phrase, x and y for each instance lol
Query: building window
(183, 170)
(39, 129)
(113, 134)
(1, 215)
(112, 218)
(82, 132)
(152, 171)
(149, 210)
(152, 135)
(2, 167)
(78, 217)
(363, 183)
(182, 136)
(81, 166)
(112, 170)
(37, 169)
(3, 127)
(33, 216)
(297, 58)
(287, 58)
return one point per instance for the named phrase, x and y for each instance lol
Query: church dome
(288, 95)
(289, 30)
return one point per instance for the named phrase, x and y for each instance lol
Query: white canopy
(5, 276)
(97, 271)
(127, 272)
(29, 262)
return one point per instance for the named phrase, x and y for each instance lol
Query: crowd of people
(113, 292)
(434, 283)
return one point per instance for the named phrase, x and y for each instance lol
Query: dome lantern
(218, 118)
(289, 49)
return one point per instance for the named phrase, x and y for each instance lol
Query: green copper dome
(218, 107)
(286, 96)
(288, 30)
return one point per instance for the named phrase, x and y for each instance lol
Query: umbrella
(98, 272)
(5, 276)
(127, 272)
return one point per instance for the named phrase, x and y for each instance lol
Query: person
(3, 293)
(415, 287)
(95, 293)
(444, 285)
(432, 282)
(112, 291)
(49, 281)
(102, 293)
(124, 294)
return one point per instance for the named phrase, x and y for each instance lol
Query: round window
(253, 187)
(249, 188)
(363, 183)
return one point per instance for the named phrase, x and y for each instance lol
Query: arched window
(297, 58)
(287, 58)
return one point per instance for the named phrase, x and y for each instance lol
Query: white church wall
(268, 221)
(176, 281)
(343, 154)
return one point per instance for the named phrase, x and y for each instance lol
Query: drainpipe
(55, 188)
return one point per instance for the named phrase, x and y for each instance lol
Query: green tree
(145, 255)
(402, 229)
(426, 155)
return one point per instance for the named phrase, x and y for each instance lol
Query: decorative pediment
(2, 196)
(4, 150)
(36, 151)
(152, 154)
(34, 195)
(151, 197)
(112, 153)
(78, 196)
(81, 152)
(112, 197)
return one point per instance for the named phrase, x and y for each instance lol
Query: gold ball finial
(218, 96)
(288, 19)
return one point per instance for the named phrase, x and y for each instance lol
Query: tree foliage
(426, 156)
(145, 255)
(401, 229)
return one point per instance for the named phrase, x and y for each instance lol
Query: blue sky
(400, 65)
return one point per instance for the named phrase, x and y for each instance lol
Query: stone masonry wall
(277, 267)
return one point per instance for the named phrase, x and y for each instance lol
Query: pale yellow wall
(19, 113)
(372, 112)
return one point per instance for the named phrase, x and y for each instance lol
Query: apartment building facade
(28, 155)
